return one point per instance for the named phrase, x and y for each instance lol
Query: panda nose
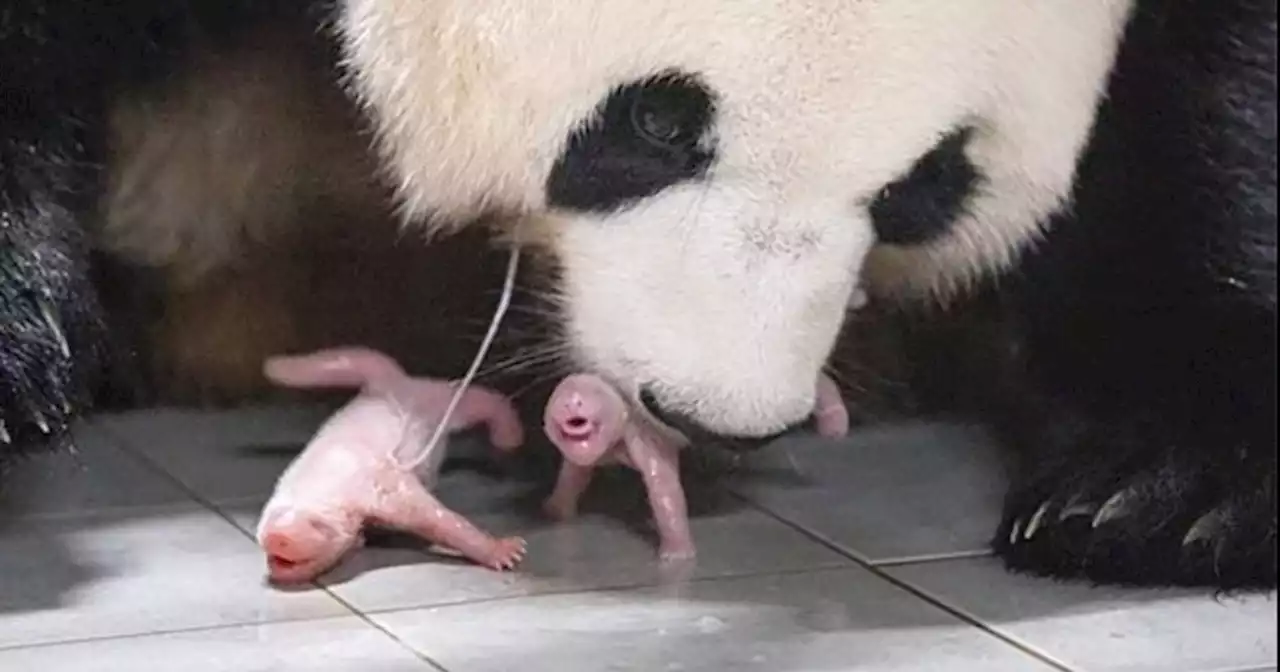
(696, 433)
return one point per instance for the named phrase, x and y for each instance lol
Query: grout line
(146, 462)
(606, 589)
(216, 506)
(191, 492)
(876, 568)
(931, 559)
(209, 504)
(880, 572)
(112, 444)
(217, 627)
(368, 620)
(367, 616)
(156, 468)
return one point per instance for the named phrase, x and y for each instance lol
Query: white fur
(726, 296)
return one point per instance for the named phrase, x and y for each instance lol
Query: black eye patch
(644, 137)
(925, 203)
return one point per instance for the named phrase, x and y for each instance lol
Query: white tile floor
(135, 555)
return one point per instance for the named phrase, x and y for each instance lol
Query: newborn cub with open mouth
(593, 426)
(365, 466)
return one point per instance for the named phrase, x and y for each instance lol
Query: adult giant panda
(716, 179)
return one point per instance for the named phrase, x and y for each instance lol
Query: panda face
(709, 288)
(713, 177)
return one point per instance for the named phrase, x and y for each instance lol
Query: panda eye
(645, 136)
(661, 119)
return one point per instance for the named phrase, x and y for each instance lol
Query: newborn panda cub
(592, 425)
(365, 467)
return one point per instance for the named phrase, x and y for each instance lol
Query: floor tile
(104, 546)
(94, 477)
(221, 455)
(149, 571)
(598, 550)
(886, 494)
(1107, 630)
(824, 621)
(331, 645)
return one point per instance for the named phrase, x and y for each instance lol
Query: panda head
(716, 178)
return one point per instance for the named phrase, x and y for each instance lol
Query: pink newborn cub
(592, 425)
(364, 466)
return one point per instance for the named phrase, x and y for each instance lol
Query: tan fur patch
(208, 345)
(229, 154)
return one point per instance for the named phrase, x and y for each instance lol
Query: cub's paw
(677, 551)
(506, 553)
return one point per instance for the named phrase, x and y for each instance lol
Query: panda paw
(36, 370)
(49, 351)
(1125, 509)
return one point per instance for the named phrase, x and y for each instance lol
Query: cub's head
(715, 179)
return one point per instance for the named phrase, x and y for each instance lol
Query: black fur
(923, 204)
(696, 434)
(53, 56)
(61, 63)
(1148, 321)
(611, 161)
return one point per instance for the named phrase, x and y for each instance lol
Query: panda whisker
(837, 375)
(525, 364)
(526, 358)
(531, 293)
(793, 462)
(849, 370)
(545, 312)
(537, 348)
(556, 369)
(843, 377)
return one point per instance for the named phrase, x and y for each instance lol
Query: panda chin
(693, 433)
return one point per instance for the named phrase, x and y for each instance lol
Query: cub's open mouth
(281, 562)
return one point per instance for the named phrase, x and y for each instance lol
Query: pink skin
(365, 466)
(592, 426)
(830, 414)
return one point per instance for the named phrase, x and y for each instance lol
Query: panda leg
(50, 327)
(1148, 316)
(1147, 423)
(55, 59)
